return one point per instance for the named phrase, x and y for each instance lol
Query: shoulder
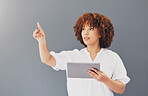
(72, 51)
(111, 56)
(76, 50)
(110, 53)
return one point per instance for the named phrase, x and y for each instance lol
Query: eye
(91, 28)
(82, 28)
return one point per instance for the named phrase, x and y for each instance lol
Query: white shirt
(110, 63)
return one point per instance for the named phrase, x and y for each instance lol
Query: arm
(115, 86)
(45, 55)
(43, 50)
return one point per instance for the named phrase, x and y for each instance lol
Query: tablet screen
(80, 69)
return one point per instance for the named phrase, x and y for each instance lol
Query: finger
(39, 26)
(92, 72)
(101, 72)
(36, 31)
(39, 34)
(96, 70)
(94, 75)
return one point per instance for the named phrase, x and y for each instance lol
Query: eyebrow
(89, 26)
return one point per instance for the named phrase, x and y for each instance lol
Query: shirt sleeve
(120, 73)
(61, 60)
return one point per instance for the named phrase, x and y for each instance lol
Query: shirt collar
(97, 53)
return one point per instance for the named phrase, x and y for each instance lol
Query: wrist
(43, 41)
(107, 80)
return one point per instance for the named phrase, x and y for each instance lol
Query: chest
(93, 56)
(107, 64)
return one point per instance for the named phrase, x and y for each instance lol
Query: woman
(95, 32)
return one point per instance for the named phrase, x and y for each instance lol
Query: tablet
(80, 69)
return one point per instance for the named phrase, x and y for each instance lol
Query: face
(90, 35)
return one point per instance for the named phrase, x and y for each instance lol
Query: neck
(93, 50)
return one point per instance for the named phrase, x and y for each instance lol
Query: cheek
(94, 36)
(82, 34)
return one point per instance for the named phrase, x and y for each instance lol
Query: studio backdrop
(21, 71)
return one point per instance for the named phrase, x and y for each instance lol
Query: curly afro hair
(101, 22)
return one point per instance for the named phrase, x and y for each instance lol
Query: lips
(86, 38)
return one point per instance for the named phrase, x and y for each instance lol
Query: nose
(85, 31)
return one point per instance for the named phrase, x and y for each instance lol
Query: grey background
(21, 71)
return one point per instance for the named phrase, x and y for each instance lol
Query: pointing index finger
(39, 26)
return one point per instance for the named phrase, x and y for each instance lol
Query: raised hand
(39, 34)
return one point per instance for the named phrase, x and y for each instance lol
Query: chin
(87, 44)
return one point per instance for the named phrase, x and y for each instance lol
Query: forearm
(116, 86)
(44, 52)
